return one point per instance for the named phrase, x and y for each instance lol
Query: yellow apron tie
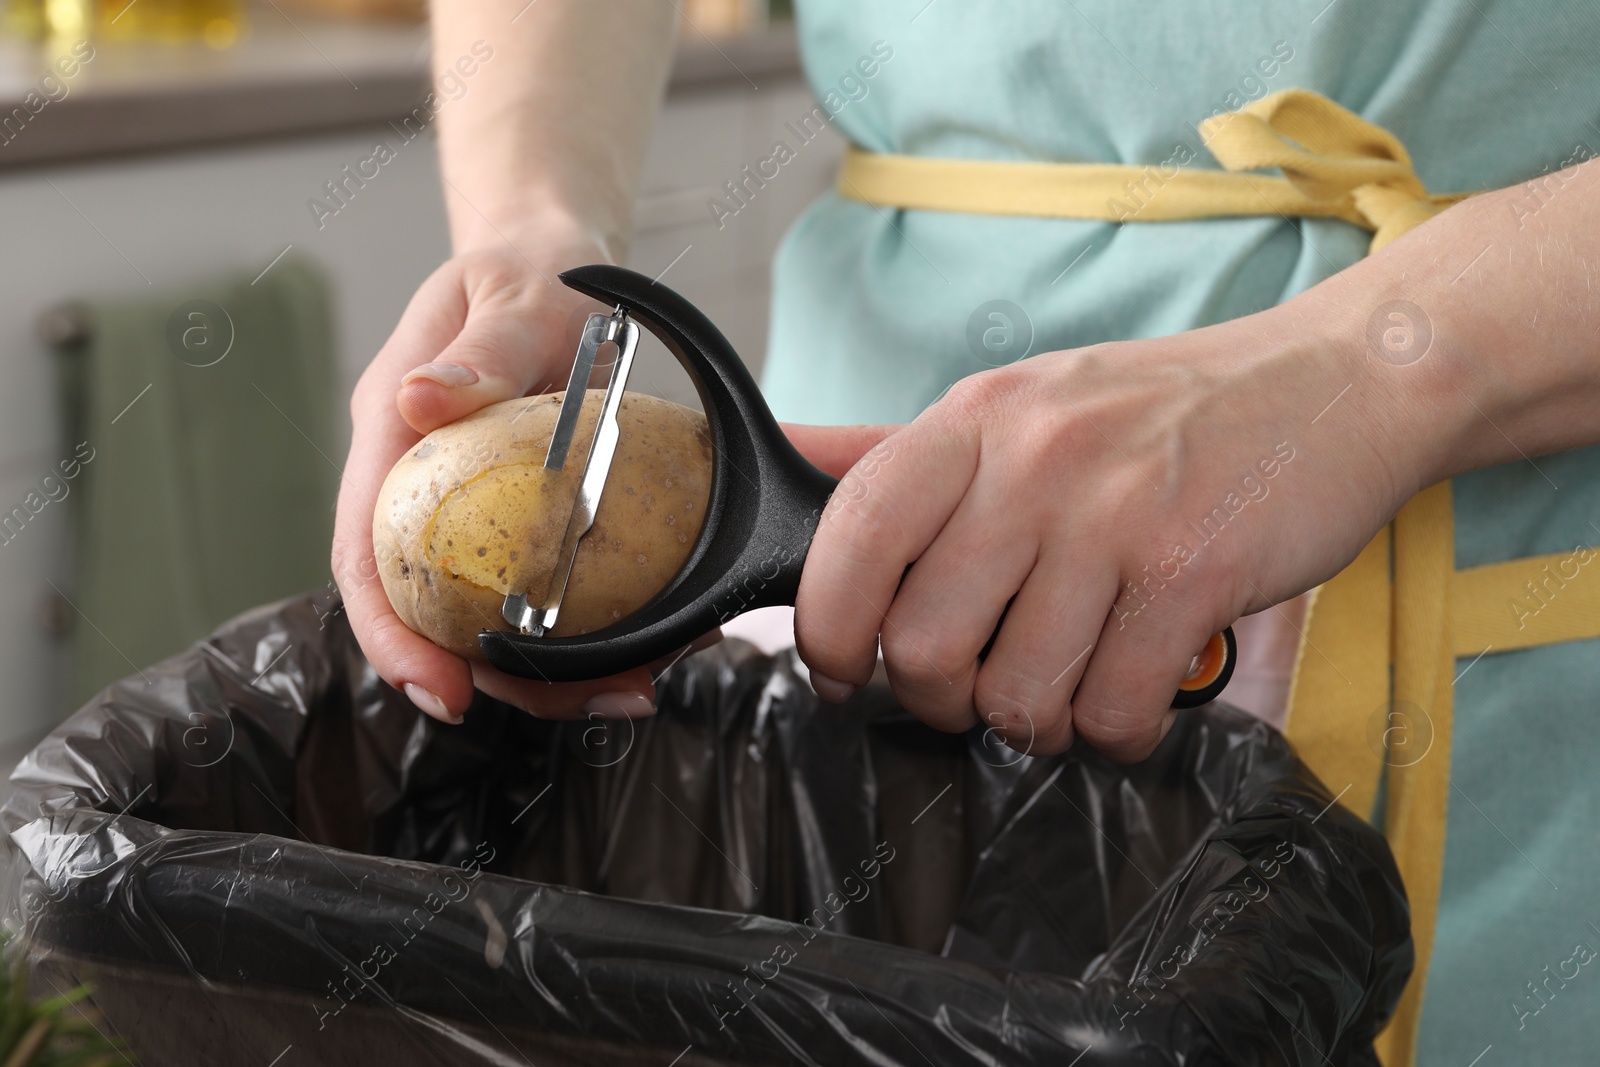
(1343, 660)
(1336, 165)
(1401, 603)
(1418, 793)
(1330, 156)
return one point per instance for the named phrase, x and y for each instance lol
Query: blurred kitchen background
(181, 324)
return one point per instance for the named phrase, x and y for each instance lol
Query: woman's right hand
(493, 323)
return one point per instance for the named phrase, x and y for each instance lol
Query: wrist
(1481, 345)
(541, 228)
(1409, 390)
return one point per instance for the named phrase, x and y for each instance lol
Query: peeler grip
(764, 506)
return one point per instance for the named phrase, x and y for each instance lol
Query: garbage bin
(259, 853)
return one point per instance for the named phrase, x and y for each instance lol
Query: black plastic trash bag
(258, 853)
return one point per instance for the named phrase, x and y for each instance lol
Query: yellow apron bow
(1330, 156)
(1336, 165)
(1401, 605)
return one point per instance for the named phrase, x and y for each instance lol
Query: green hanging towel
(207, 420)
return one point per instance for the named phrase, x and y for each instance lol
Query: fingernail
(450, 375)
(430, 703)
(619, 706)
(831, 691)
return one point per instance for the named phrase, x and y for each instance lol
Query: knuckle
(1008, 695)
(1118, 735)
(383, 640)
(1019, 707)
(854, 486)
(924, 659)
(829, 652)
(474, 350)
(855, 527)
(977, 396)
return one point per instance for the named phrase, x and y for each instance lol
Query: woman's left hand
(1126, 501)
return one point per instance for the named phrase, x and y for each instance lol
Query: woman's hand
(1134, 498)
(491, 324)
(540, 162)
(1131, 499)
(1127, 501)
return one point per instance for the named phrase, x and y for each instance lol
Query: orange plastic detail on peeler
(1207, 665)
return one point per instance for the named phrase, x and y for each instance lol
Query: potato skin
(470, 514)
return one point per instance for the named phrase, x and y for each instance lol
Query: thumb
(835, 449)
(501, 353)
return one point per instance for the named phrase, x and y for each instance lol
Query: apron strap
(1335, 165)
(1418, 794)
(1340, 719)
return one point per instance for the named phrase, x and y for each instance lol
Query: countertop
(292, 74)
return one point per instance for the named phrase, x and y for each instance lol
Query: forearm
(1508, 285)
(551, 132)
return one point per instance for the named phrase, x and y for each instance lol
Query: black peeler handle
(766, 501)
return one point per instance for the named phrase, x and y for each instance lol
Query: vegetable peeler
(765, 503)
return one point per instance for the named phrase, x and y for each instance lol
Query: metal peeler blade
(616, 328)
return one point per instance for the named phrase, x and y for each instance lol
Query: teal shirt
(877, 311)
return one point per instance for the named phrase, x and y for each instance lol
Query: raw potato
(470, 514)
